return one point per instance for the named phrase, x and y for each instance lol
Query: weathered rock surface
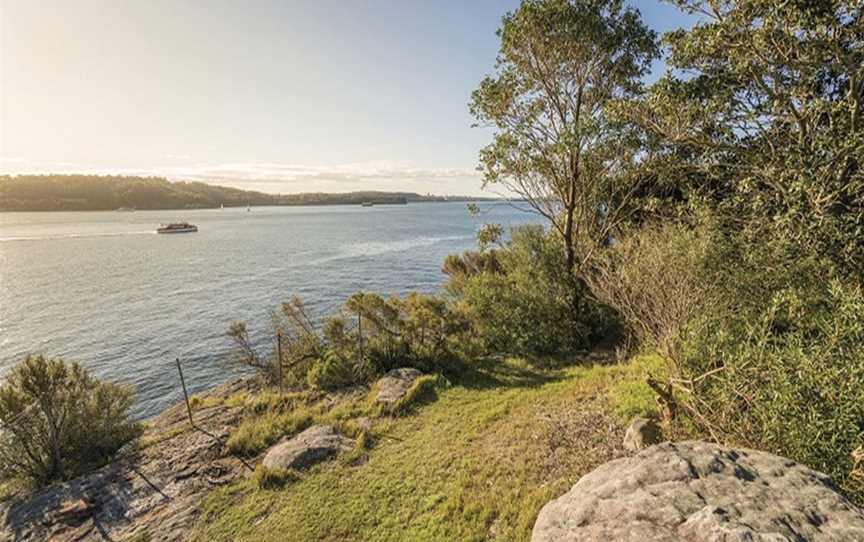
(641, 433)
(395, 384)
(316, 444)
(154, 489)
(700, 492)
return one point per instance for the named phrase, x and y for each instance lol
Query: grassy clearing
(475, 464)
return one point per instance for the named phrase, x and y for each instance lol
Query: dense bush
(519, 298)
(59, 421)
(371, 335)
(654, 279)
(783, 368)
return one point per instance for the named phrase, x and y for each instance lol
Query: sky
(279, 96)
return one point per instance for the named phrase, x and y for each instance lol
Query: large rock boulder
(316, 444)
(393, 386)
(700, 492)
(641, 433)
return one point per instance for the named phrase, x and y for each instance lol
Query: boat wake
(59, 236)
(375, 248)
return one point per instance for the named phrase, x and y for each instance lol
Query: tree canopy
(761, 113)
(559, 64)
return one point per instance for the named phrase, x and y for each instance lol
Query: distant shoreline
(64, 193)
(253, 206)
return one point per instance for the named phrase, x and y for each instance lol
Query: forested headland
(105, 193)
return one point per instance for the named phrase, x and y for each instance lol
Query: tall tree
(560, 63)
(765, 99)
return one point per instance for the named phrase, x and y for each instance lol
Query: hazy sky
(281, 96)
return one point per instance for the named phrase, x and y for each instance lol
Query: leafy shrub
(371, 335)
(520, 298)
(245, 354)
(785, 376)
(418, 330)
(655, 281)
(59, 421)
(334, 371)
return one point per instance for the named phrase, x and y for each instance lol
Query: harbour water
(103, 289)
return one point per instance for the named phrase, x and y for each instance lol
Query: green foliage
(59, 421)
(520, 299)
(371, 335)
(783, 372)
(631, 396)
(559, 63)
(762, 119)
(418, 331)
(333, 371)
(654, 279)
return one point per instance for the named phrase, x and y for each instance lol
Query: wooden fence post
(360, 335)
(279, 357)
(185, 393)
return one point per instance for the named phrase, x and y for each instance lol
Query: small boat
(248, 209)
(125, 209)
(367, 204)
(177, 227)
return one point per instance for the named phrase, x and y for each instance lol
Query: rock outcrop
(151, 491)
(316, 444)
(700, 492)
(641, 433)
(393, 386)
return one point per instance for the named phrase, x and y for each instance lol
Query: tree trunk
(570, 204)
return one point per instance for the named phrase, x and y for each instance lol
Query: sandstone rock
(74, 511)
(642, 433)
(316, 444)
(154, 489)
(395, 384)
(700, 492)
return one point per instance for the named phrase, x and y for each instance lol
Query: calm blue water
(104, 289)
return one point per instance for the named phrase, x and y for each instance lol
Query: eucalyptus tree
(560, 62)
(765, 99)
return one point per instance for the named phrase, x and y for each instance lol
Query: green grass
(476, 463)
(267, 478)
(257, 433)
(631, 396)
(423, 390)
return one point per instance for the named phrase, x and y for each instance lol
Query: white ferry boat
(177, 227)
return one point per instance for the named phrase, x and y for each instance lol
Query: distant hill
(103, 193)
